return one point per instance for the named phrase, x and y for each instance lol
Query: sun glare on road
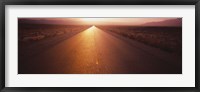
(91, 28)
(90, 31)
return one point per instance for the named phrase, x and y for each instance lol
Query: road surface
(95, 51)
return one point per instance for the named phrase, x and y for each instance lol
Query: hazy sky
(109, 21)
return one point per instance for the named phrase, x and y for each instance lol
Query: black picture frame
(99, 2)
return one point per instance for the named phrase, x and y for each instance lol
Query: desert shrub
(165, 38)
(37, 32)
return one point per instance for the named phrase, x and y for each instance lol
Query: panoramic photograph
(100, 45)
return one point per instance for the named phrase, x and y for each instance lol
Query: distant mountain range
(171, 22)
(45, 21)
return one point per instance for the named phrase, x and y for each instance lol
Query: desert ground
(78, 49)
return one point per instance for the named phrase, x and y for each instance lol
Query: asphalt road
(95, 51)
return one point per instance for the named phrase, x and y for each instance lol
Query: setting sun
(92, 19)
